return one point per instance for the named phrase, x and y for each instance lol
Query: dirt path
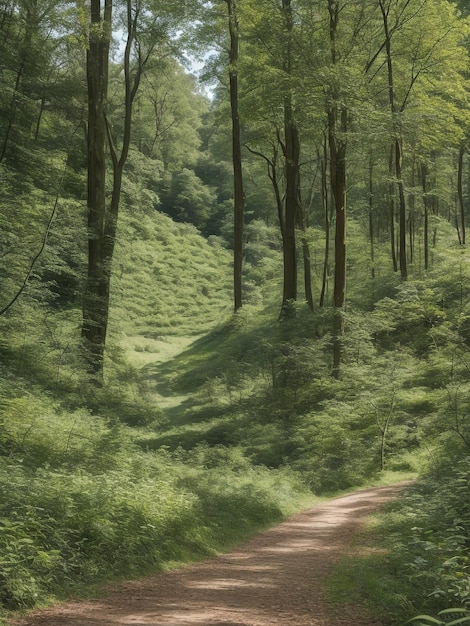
(275, 579)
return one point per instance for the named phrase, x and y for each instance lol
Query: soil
(275, 579)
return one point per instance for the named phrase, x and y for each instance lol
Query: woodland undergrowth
(173, 459)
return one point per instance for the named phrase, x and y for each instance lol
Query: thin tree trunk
(460, 193)
(326, 213)
(239, 196)
(424, 171)
(292, 175)
(396, 143)
(371, 216)
(273, 177)
(412, 216)
(12, 114)
(401, 211)
(292, 149)
(393, 248)
(338, 182)
(337, 129)
(307, 261)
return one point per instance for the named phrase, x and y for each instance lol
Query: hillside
(211, 425)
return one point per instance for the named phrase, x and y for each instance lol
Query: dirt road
(275, 579)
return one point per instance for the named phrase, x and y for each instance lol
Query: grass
(210, 426)
(412, 558)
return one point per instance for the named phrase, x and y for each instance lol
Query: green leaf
(450, 611)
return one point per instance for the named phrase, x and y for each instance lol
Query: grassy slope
(229, 418)
(81, 502)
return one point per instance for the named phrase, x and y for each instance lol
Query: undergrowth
(81, 503)
(416, 557)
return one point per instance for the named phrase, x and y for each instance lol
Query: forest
(234, 279)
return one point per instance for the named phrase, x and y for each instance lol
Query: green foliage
(81, 503)
(209, 426)
(169, 280)
(189, 200)
(426, 565)
(443, 618)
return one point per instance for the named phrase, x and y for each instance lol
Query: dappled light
(275, 579)
(216, 312)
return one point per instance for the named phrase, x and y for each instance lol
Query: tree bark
(338, 185)
(396, 143)
(423, 171)
(292, 174)
(393, 249)
(337, 129)
(96, 297)
(239, 195)
(326, 212)
(371, 216)
(401, 211)
(460, 193)
(306, 260)
(291, 202)
(102, 220)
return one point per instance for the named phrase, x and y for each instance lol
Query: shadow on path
(275, 579)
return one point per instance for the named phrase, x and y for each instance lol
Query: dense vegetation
(142, 421)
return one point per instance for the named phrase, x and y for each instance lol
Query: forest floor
(275, 579)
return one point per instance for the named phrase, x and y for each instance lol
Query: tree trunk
(460, 193)
(396, 143)
(401, 211)
(96, 297)
(337, 129)
(326, 213)
(393, 248)
(292, 175)
(306, 260)
(292, 149)
(423, 170)
(338, 185)
(239, 196)
(371, 216)
(102, 221)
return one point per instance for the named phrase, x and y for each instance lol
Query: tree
(143, 32)
(238, 190)
(418, 63)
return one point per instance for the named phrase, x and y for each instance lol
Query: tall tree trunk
(401, 210)
(338, 185)
(393, 248)
(102, 220)
(424, 172)
(460, 193)
(412, 216)
(96, 297)
(292, 176)
(239, 196)
(306, 259)
(371, 216)
(337, 129)
(291, 203)
(396, 142)
(326, 213)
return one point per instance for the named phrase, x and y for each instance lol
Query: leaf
(428, 618)
(450, 611)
